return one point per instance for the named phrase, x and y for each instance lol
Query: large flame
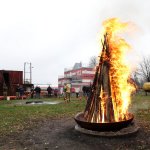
(111, 89)
(120, 70)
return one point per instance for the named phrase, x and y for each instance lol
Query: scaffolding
(27, 73)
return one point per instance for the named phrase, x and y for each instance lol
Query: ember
(110, 93)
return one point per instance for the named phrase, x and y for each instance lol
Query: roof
(77, 65)
(10, 71)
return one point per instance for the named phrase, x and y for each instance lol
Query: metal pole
(24, 71)
(30, 73)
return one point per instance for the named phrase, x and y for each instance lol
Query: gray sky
(54, 34)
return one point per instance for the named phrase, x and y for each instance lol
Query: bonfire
(111, 89)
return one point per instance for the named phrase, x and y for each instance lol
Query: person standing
(17, 91)
(64, 92)
(37, 91)
(56, 92)
(5, 91)
(77, 90)
(84, 91)
(21, 90)
(61, 92)
(68, 90)
(32, 92)
(49, 90)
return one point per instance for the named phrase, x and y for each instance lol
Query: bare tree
(135, 77)
(93, 61)
(144, 69)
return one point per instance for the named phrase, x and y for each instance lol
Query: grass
(141, 107)
(16, 116)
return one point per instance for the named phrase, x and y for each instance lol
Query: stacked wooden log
(99, 105)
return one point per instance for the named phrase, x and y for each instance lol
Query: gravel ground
(60, 134)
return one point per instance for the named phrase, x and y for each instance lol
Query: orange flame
(119, 69)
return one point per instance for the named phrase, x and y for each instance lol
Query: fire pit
(107, 106)
(112, 126)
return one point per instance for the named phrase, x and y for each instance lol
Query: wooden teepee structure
(99, 105)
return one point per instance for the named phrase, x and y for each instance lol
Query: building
(78, 76)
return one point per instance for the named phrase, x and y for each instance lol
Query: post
(30, 73)
(24, 71)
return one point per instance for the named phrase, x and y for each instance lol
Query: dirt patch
(52, 134)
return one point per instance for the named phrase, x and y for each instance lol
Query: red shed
(11, 79)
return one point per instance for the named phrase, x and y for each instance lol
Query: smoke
(136, 12)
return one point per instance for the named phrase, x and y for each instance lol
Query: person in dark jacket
(84, 91)
(32, 92)
(49, 90)
(37, 91)
(55, 92)
(21, 90)
(17, 91)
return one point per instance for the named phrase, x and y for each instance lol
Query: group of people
(67, 92)
(51, 91)
(64, 92)
(37, 92)
(19, 91)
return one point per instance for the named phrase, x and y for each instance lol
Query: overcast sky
(54, 34)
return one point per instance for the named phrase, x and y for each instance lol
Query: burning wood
(110, 93)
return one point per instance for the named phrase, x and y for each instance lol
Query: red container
(11, 79)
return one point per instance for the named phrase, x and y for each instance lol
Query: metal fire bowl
(113, 126)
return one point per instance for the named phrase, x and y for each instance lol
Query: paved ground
(60, 134)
